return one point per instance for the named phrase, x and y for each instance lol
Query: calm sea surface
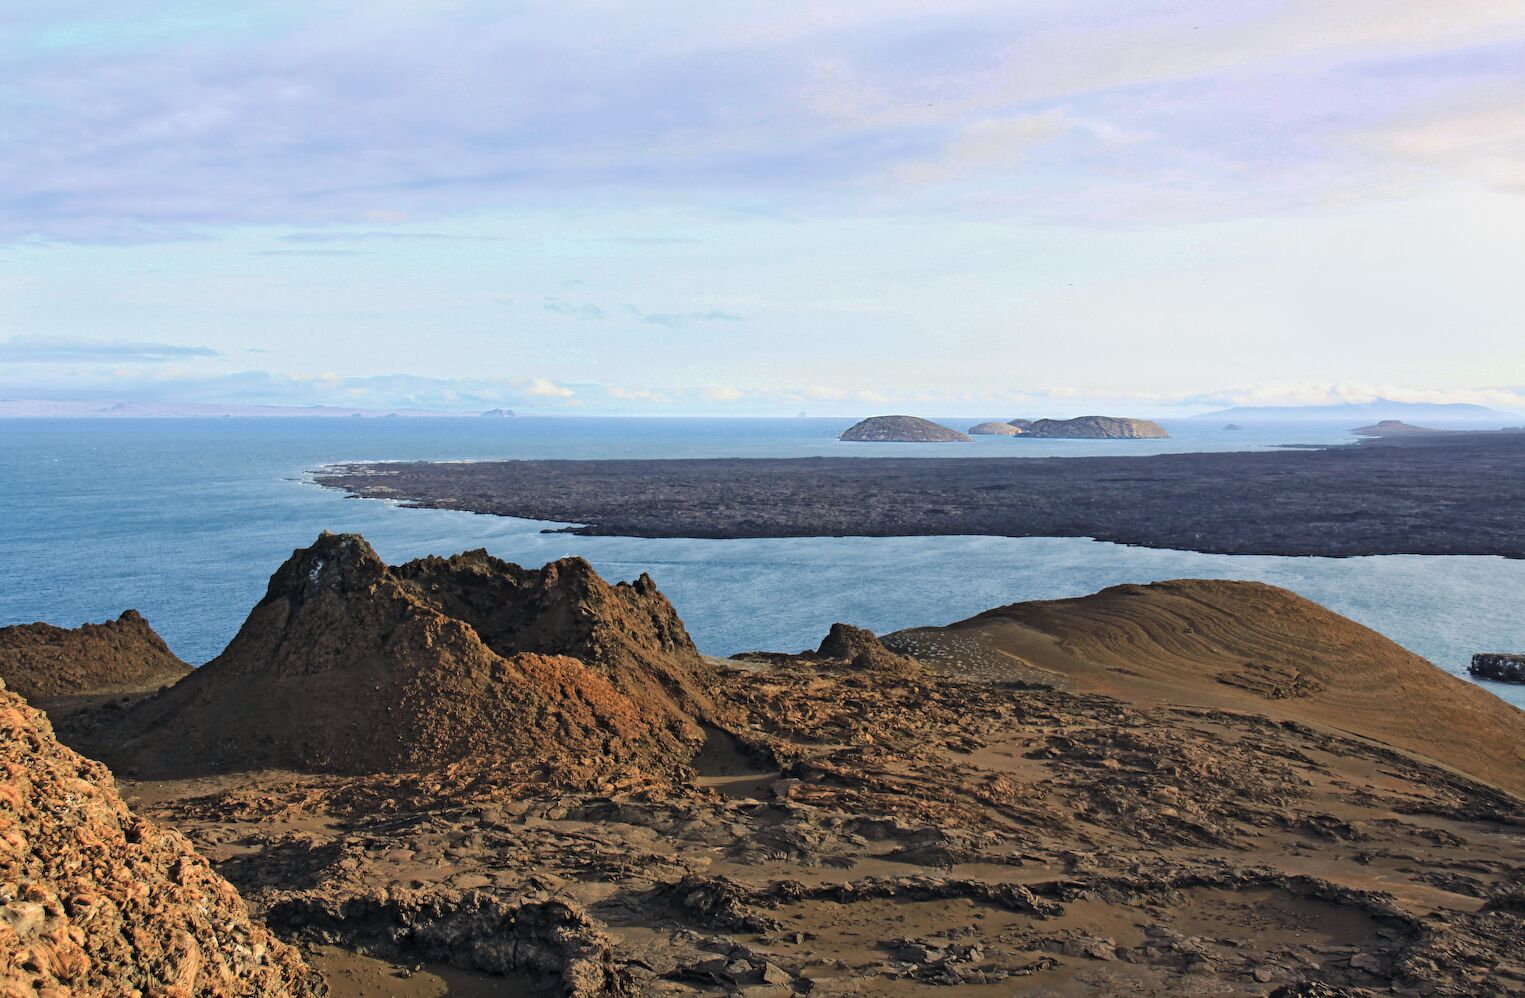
(186, 519)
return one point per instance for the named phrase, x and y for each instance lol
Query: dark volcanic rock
(1096, 428)
(350, 666)
(995, 430)
(1442, 493)
(901, 429)
(1495, 665)
(40, 660)
(97, 901)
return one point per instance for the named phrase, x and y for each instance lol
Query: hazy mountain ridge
(1373, 411)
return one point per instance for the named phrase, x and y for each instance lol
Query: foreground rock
(466, 663)
(1501, 667)
(1095, 428)
(977, 818)
(97, 901)
(122, 655)
(901, 429)
(994, 430)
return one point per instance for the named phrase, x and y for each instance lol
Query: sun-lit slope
(1254, 647)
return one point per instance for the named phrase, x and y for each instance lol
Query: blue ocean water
(186, 519)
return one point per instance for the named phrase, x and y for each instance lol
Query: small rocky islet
(1184, 787)
(914, 429)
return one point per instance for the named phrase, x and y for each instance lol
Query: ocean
(185, 519)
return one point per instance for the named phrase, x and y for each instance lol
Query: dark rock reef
(1498, 666)
(901, 429)
(1444, 493)
(122, 655)
(94, 900)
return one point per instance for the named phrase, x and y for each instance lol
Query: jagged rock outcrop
(1096, 428)
(40, 660)
(1496, 665)
(626, 631)
(901, 429)
(350, 666)
(97, 901)
(994, 429)
(861, 649)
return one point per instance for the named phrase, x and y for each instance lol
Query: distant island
(901, 429)
(498, 413)
(1092, 428)
(1387, 426)
(1373, 411)
(1078, 428)
(994, 429)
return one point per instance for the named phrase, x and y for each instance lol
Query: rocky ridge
(94, 900)
(40, 660)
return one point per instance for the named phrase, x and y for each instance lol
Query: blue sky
(988, 208)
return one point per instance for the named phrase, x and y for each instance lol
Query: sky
(1003, 208)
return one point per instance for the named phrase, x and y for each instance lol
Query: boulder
(1498, 666)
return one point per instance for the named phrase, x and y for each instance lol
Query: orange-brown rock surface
(40, 660)
(97, 901)
(1183, 788)
(1254, 646)
(350, 666)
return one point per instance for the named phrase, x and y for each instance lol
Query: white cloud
(1484, 143)
(545, 388)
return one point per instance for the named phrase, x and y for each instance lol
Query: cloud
(387, 391)
(1485, 144)
(541, 388)
(989, 144)
(669, 320)
(320, 117)
(583, 311)
(675, 320)
(64, 349)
